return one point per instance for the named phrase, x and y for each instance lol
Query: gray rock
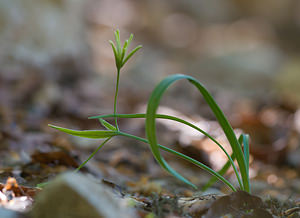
(74, 195)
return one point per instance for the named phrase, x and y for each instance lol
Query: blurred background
(56, 66)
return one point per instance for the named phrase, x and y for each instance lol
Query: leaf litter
(31, 155)
(50, 157)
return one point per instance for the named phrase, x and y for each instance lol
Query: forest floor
(32, 153)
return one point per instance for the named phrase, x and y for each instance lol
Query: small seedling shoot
(240, 146)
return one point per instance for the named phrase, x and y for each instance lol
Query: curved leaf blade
(151, 127)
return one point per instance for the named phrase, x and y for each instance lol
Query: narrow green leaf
(130, 39)
(236, 148)
(159, 116)
(93, 134)
(131, 53)
(246, 154)
(118, 41)
(107, 125)
(246, 149)
(151, 131)
(115, 53)
(124, 50)
(126, 44)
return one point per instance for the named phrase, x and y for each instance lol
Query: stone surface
(74, 195)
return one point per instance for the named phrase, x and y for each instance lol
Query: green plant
(240, 153)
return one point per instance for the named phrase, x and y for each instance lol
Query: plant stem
(115, 101)
(92, 155)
